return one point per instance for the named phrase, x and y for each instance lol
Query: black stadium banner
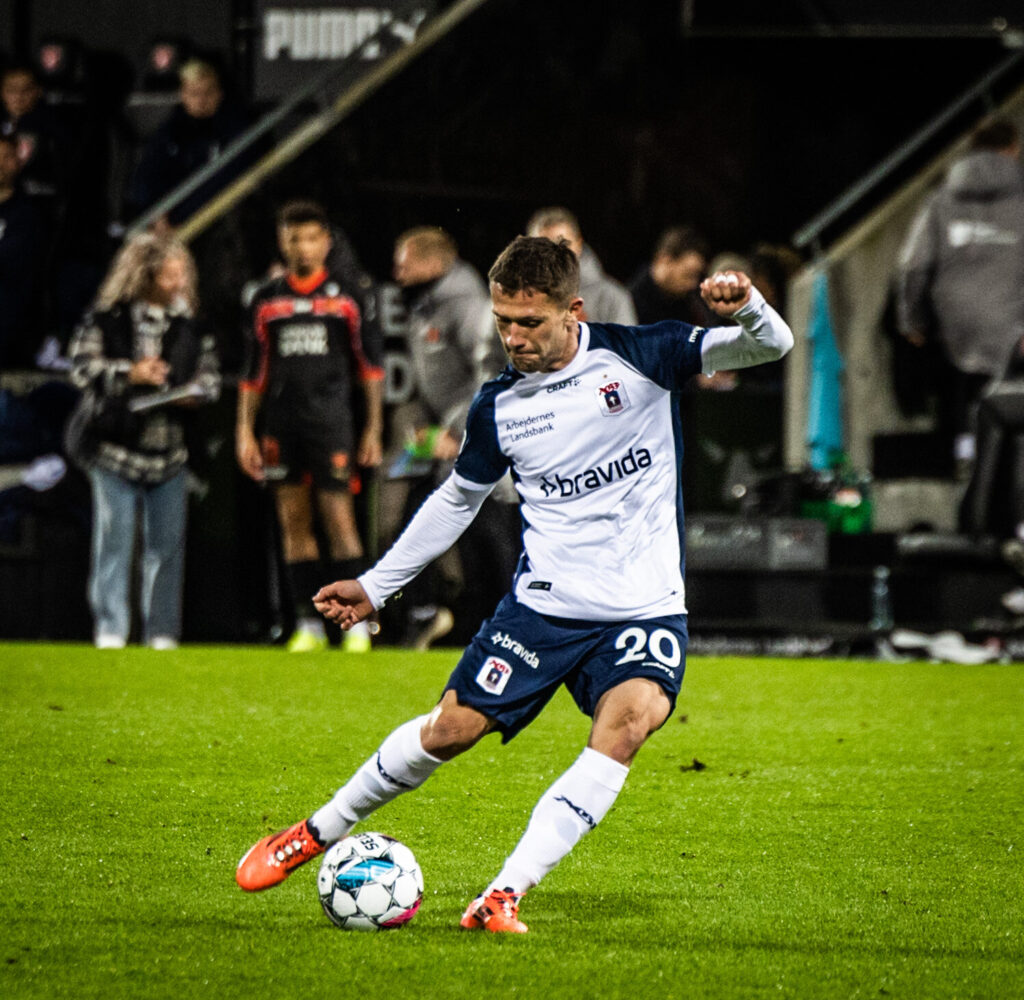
(298, 40)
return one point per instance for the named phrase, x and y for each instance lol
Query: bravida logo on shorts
(494, 675)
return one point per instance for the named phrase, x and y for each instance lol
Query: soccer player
(587, 419)
(306, 354)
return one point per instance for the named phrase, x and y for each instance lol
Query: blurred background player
(605, 299)
(140, 338)
(307, 353)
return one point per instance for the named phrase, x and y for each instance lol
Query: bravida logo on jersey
(613, 398)
(597, 476)
(494, 675)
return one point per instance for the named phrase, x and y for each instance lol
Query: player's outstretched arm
(760, 334)
(343, 602)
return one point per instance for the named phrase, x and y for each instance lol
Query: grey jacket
(447, 327)
(961, 269)
(605, 300)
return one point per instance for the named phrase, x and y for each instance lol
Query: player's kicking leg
(404, 761)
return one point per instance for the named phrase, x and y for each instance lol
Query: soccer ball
(369, 882)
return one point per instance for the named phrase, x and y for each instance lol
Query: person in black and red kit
(307, 353)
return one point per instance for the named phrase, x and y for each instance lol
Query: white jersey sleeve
(762, 335)
(435, 527)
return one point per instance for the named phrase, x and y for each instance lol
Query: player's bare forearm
(371, 449)
(247, 449)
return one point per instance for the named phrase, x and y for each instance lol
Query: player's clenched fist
(726, 291)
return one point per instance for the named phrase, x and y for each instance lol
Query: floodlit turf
(805, 829)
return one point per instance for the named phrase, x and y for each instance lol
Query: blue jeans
(117, 503)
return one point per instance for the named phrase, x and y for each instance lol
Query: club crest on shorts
(494, 675)
(612, 398)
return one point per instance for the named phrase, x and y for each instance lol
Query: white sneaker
(908, 640)
(1013, 601)
(163, 642)
(953, 648)
(110, 642)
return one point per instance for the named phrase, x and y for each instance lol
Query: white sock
(400, 765)
(571, 807)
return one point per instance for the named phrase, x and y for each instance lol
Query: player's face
(538, 334)
(305, 247)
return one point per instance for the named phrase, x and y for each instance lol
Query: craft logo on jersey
(566, 383)
(575, 483)
(494, 675)
(613, 398)
(302, 339)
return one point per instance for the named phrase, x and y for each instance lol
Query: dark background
(744, 119)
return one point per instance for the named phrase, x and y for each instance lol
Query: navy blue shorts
(519, 658)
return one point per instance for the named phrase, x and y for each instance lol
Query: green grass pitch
(800, 828)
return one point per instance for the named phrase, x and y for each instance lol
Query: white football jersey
(595, 451)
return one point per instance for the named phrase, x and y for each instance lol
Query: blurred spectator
(454, 347)
(23, 238)
(605, 300)
(961, 274)
(139, 340)
(201, 126)
(669, 286)
(43, 141)
(307, 354)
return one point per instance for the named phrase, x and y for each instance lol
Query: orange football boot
(271, 860)
(496, 911)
